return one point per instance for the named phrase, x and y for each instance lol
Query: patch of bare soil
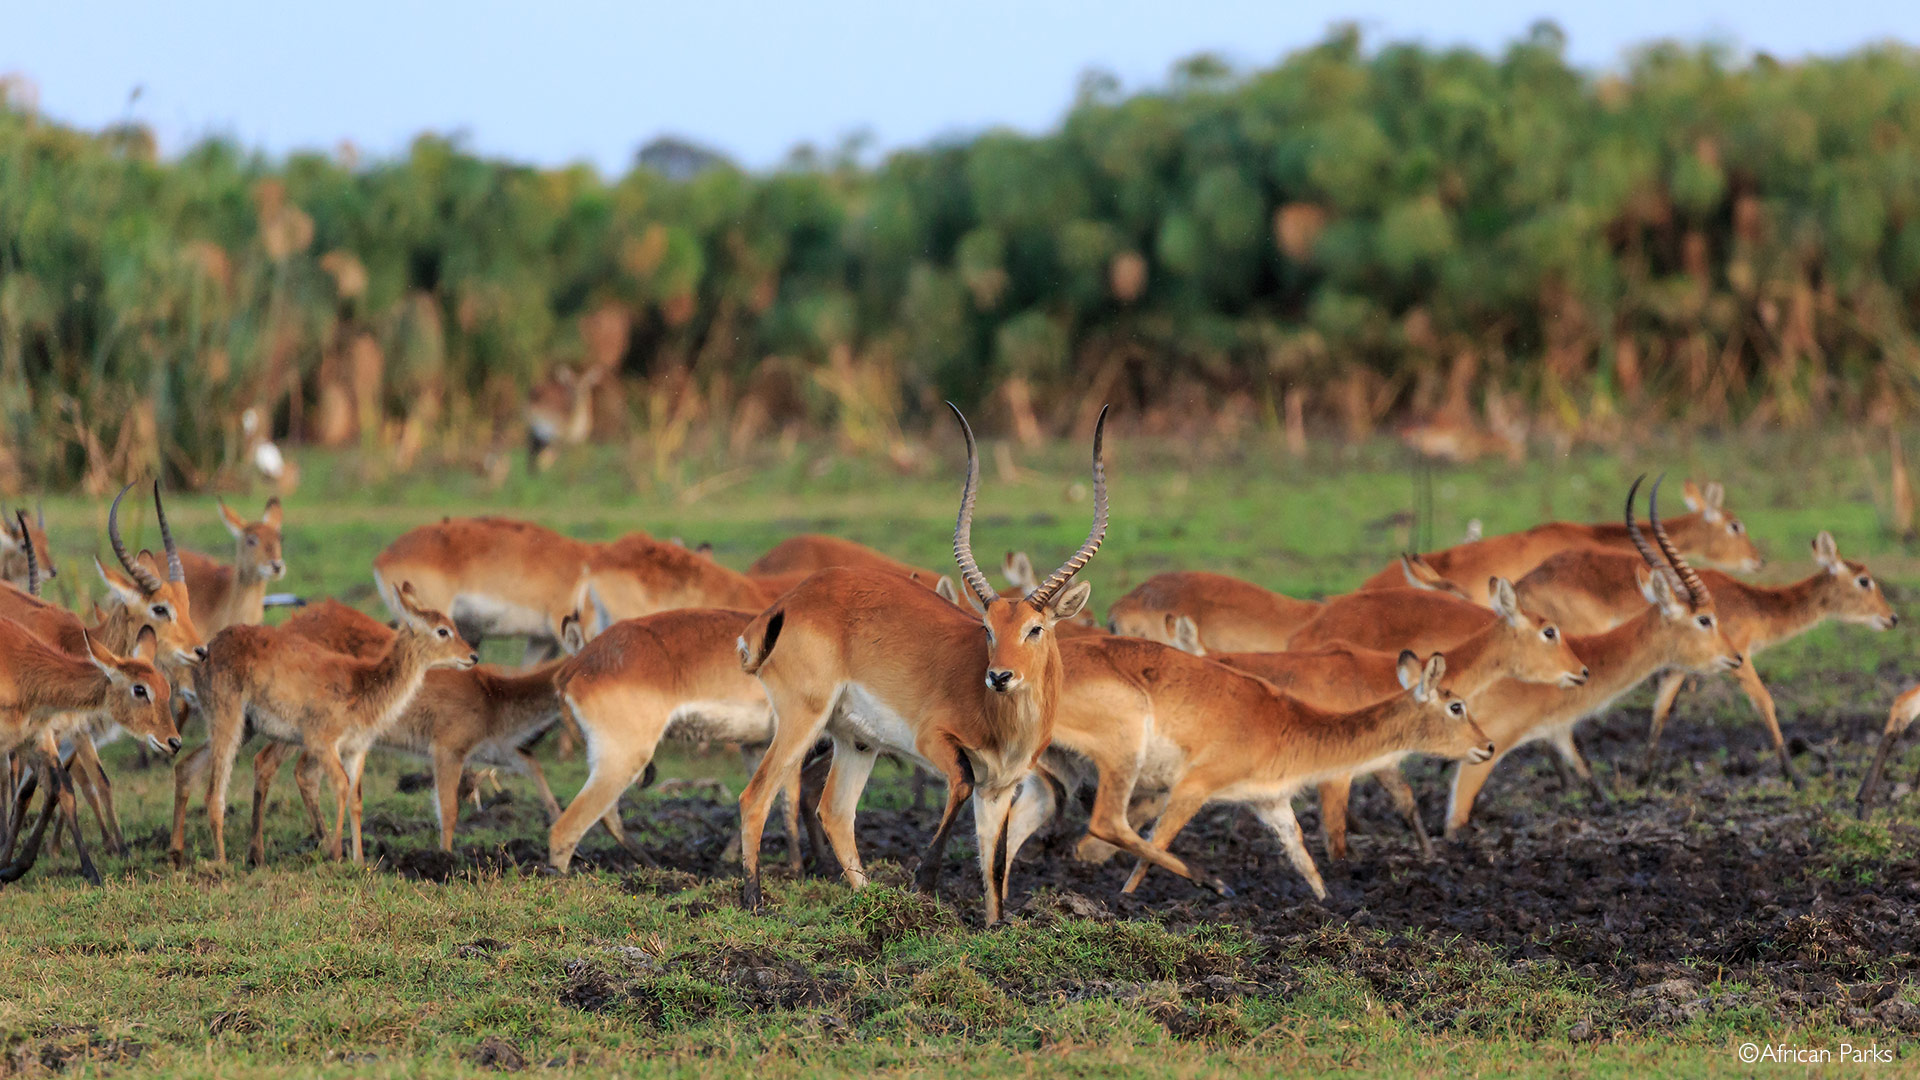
(1713, 873)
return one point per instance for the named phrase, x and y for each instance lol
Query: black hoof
(1223, 889)
(12, 872)
(750, 894)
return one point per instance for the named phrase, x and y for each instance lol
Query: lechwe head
(147, 598)
(17, 534)
(1021, 647)
(1720, 538)
(139, 697)
(430, 634)
(1526, 647)
(1848, 592)
(1679, 593)
(1438, 722)
(256, 544)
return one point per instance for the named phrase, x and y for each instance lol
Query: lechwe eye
(1457, 709)
(444, 633)
(1551, 633)
(1863, 581)
(140, 692)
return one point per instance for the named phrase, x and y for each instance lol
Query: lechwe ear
(1068, 601)
(124, 591)
(1827, 554)
(410, 605)
(1430, 676)
(273, 515)
(101, 656)
(1505, 603)
(1018, 569)
(573, 635)
(945, 590)
(1407, 667)
(146, 646)
(236, 524)
(1185, 634)
(1669, 594)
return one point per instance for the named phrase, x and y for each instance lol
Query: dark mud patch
(1714, 874)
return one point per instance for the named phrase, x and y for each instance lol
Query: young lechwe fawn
(1228, 614)
(1517, 644)
(1592, 591)
(17, 534)
(1681, 628)
(291, 689)
(141, 601)
(675, 675)
(495, 577)
(225, 594)
(1708, 534)
(482, 715)
(1146, 715)
(44, 689)
(879, 663)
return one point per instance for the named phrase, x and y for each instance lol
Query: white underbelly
(861, 717)
(494, 617)
(720, 721)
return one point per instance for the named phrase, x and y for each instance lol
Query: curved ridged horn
(33, 561)
(963, 528)
(1696, 589)
(1098, 533)
(141, 576)
(175, 572)
(1633, 526)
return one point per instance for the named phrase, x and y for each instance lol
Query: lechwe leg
(799, 718)
(94, 784)
(29, 853)
(1763, 701)
(266, 765)
(1187, 798)
(1277, 814)
(1663, 700)
(226, 732)
(189, 770)
(1905, 709)
(846, 779)
(750, 755)
(336, 772)
(622, 728)
(355, 763)
(947, 756)
(1569, 752)
(1333, 815)
(991, 809)
(1468, 779)
(1404, 800)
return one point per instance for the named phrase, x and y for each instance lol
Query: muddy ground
(1717, 875)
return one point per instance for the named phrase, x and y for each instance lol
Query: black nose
(999, 679)
(200, 651)
(1584, 672)
(1893, 620)
(173, 745)
(473, 658)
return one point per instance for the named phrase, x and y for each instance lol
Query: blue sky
(570, 80)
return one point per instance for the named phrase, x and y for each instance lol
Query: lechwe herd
(1200, 689)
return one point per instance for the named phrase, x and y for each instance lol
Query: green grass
(306, 968)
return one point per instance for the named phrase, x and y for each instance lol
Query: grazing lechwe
(495, 577)
(878, 663)
(291, 689)
(1591, 591)
(675, 675)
